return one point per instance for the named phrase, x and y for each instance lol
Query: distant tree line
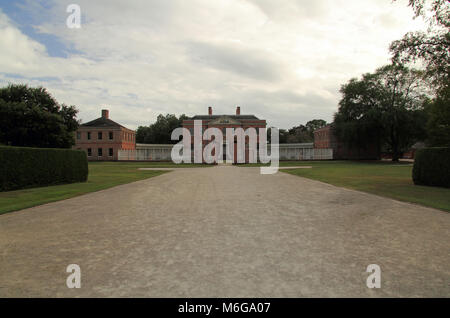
(160, 131)
(299, 134)
(32, 117)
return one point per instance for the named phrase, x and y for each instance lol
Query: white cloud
(282, 61)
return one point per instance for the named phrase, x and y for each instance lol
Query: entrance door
(224, 154)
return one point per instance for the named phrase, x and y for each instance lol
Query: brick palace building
(102, 138)
(226, 121)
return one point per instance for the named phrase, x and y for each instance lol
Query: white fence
(154, 152)
(303, 152)
(295, 151)
(147, 152)
(323, 154)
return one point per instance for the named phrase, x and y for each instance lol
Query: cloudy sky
(283, 61)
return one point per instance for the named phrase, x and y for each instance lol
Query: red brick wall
(322, 138)
(189, 124)
(123, 138)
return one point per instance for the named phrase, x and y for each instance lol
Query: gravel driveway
(225, 232)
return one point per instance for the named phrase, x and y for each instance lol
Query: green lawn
(102, 175)
(382, 178)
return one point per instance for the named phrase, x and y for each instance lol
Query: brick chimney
(210, 111)
(238, 110)
(105, 113)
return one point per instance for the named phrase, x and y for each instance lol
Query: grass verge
(102, 175)
(381, 178)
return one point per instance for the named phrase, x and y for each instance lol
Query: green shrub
(22, 167)
(432, 167)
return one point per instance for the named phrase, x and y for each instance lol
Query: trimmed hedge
(23, 167)
(432, 167)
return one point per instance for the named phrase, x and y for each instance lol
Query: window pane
(100, 152)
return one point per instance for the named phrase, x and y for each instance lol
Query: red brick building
(226, 121)
(326, 138)
(102, 138)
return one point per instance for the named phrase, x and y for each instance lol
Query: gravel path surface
(225, 232)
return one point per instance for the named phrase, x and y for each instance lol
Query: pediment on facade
(224, 120)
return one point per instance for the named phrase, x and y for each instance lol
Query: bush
(432, 167)
(22, 167)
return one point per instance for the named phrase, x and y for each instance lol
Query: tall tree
(431, 47)
(383, 109)
(32, 117)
